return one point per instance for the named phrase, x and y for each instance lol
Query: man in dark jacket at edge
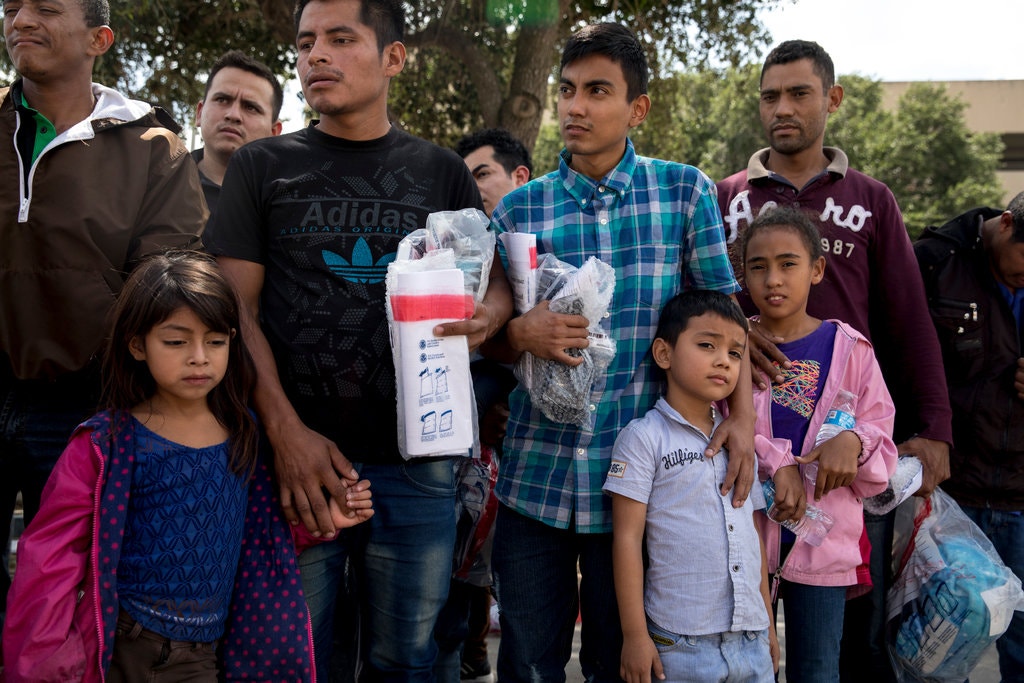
(92, 182)
(973, 269)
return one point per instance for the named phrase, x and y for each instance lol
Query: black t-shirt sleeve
(237, 228)
(464, 189)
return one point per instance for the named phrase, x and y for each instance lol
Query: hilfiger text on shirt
(681, 457)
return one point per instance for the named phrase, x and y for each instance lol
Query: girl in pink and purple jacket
(159, 547)
(782, 259)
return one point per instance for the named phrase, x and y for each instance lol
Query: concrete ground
(987, 670)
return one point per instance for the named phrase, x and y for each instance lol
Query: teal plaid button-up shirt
(657, 224)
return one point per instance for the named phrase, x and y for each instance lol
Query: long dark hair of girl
(157, 287)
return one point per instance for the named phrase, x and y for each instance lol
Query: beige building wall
(992, 107)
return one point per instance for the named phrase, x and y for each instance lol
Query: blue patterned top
(183, 535)
(657, 224)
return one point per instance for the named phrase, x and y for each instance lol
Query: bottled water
(839, 419)
(812, 527)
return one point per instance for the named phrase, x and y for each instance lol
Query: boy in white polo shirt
(702, 610)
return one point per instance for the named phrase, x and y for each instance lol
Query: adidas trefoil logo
(361, 268)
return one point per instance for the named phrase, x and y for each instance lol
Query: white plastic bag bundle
(466, 235)
(438, 274)
(561, 392)
(952, 598)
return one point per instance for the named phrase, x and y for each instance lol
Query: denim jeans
(36, 420)
(540, 594)
(403, 561)
(1006, 531)
(864, 655)
(324, 569)
(451, 631)
(814, 629)
(733, 657)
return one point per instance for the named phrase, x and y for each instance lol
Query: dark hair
(795, 50)
(508, 150)
(97, 12)
(785, 218)
(1016, 209)
(385, 17)
(236, 59)
(617, 43)
(157, 287)
(676, 315)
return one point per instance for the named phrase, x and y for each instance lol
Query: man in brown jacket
(92, 182)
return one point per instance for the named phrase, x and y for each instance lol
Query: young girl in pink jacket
(159, 550)
(782, 259)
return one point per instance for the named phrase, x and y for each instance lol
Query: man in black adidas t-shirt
(306, 226)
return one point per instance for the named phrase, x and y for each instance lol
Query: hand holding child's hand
(837, 462)
(790, 499)
(358, 506)
(639, 659)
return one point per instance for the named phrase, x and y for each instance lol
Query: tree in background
(473, 63)
(934, 165)
(163, 49)
(489, 62)
(477, 63)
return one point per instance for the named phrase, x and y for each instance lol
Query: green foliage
(472, 63)
(164, 48)
(934, 165)
(545, 153)
(706, 118)
(490, 62)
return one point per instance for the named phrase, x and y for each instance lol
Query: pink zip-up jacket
(855, 369)
(62, 607)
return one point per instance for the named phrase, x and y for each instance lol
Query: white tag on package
(435, 370)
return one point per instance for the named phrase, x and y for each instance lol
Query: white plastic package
(438, 275)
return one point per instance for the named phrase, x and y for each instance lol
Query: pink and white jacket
(62, 606)
(855, 369)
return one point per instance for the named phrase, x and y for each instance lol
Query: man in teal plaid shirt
(657, 224)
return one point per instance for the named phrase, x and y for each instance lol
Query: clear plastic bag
(465, 233)
(561, 392)
(952, 596)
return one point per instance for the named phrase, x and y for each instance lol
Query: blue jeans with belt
(735, 656)
(403, 559)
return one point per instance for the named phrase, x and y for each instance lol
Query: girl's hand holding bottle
(789, 496)
(835, 462)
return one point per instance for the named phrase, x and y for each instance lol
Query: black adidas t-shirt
(325, 216)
